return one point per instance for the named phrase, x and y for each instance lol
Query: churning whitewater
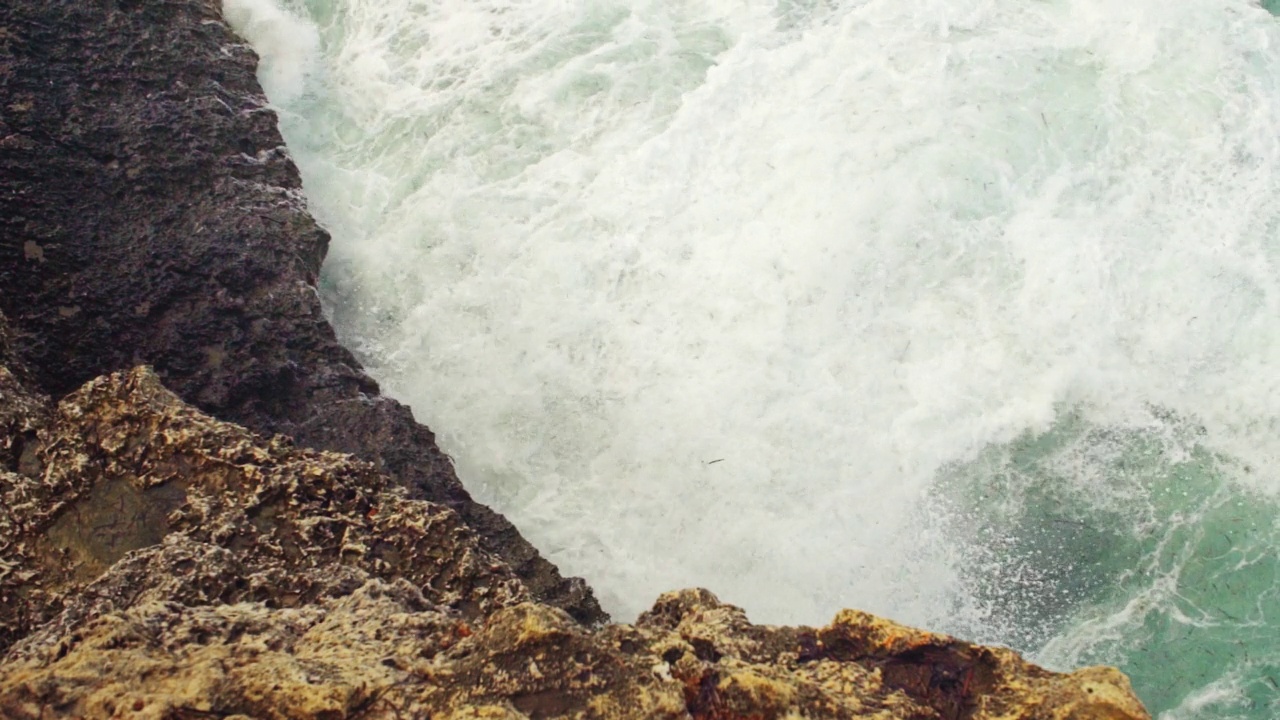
(965, 312)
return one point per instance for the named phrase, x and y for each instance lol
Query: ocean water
(965, 312)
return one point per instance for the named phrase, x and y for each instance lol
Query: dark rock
(150, 214)
(22, 411)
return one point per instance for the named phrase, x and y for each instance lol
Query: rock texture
(149, 214)
(159, 563)
(123, 463)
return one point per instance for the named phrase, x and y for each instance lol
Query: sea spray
(964, 312)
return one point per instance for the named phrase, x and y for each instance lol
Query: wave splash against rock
(159, 560)
(170, 565)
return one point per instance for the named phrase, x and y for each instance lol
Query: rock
(150, 214)
(376, 652)
(165, 564)
(126, 464)
(22, 410)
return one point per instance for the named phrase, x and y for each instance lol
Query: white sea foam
(287, 45)
(1216, 701)
(708, 293)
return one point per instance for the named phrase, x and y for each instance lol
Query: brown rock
(22, 410)
(165, 564)
(376, 653)
(126, 464)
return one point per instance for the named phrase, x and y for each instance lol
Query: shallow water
(963, 312)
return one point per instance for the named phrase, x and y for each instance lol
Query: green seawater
(1135, 547)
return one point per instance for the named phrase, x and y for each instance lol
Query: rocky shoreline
(151, 215)
(222, 517)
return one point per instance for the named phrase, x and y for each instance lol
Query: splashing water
(963, 312)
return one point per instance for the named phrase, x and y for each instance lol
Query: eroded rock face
(150, 214)
(163, 564)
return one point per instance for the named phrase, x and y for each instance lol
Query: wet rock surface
(150, 214)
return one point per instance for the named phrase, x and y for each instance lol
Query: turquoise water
(1157, 562)
(966, 312)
